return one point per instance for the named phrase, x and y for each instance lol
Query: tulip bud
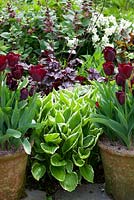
(108, 68)
(120, 95)
(109, 54)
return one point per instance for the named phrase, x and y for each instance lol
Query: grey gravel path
(83, 192)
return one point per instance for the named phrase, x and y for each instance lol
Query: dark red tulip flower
(17, 71)
(109, 54)
(32, 91)
(11, 82)
(108, 68)
(120, 95)
(125, 69)
(37, 72)
(120, 80)
(24, 94)
(13, 59)
(2, 62)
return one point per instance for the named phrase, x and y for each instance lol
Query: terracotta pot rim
(5, 155)
(114, 150)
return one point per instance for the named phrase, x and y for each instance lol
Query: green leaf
(87, 172)
(57, 160)
(70, 182)
(58, 172)
(52, 138)
(15, 116)
(5, 35)
(74, 120)
(59, 118)
(77, 160)
(118, 128)
(69, 166)
(27, 146)
(70, 142)
(88, 140)
(49, 149)
(38, 170)
(13, 133)
(83, 153)
(67, 114)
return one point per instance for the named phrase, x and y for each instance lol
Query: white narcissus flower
(95, 38)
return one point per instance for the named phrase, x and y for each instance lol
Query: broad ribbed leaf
(69, 166)
(88, 141)
(70, 182)
(57, 160)
(50, 149)
(52, 138)
(87, 172)
(38, 170)
(74, 120)
(77, 160)
(83, 153)
(70, 142)
(58, 172)
(59, 118)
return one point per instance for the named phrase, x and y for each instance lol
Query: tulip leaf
(70, 182)
(13, 133)
(38, 170)
(26, 145)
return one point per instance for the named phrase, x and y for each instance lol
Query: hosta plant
(17, 104)
(65, 138)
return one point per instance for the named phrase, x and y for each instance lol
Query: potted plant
(115, 114)
(17, 110)
(65, 138)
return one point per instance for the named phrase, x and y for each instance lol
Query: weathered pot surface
(12, 175)
(118, 163)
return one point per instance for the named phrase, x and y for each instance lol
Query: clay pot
(12, 175)
(118, 166)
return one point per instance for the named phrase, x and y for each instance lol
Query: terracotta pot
(12, 175)
(119, 171)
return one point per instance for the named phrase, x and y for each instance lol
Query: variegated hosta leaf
(70, 182)
(58, 172)
(87, 172)
(57, 160)
(50, 149)
(77, 160)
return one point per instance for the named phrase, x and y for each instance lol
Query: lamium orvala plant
(115, 99)
(17, 105)
(65, 138)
